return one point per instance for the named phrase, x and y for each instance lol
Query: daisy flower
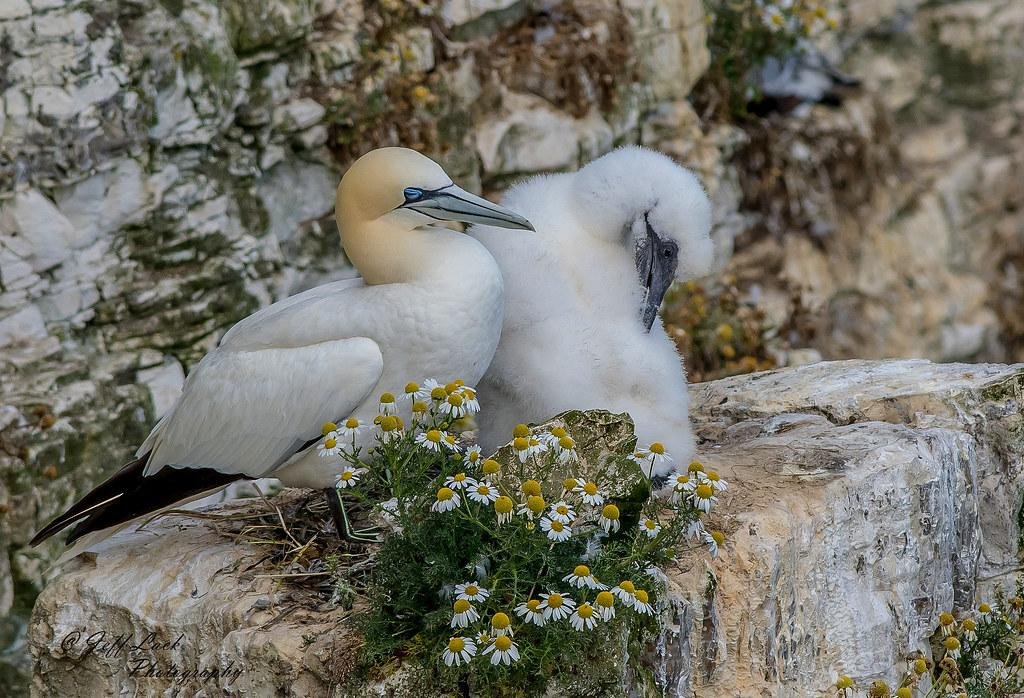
(564, 448)
(605, 604)
(947, 623)
(330, 446)
(970, 627)
(536, 446)
(581, 578)
(504, 650)
(327, 428)
(483, 637)
(490, 468)
(609, 518)
(696, 529)
(482, 492)
(454, 406)
(639, 457)
(952, 646)
(390, 425)
(387, 404)
(561, 511)
(641, 603)
(464, 614)
(350, 428)
(426, 390)
(419, 409)
(681, 484)
(503, 508)
(447, 499)
(469, 400)
(714, 540)
(774, 18)
(656, 454)
(459, 481)
(450, 441)
(551, 437)
(584, 617)
(431, 439)
(651, 528)
(571, 484)
(521, 445)
(555, 529)
(703, 497)
(474, 456)
(556, 606)
(716, 481)
(531, 612)
(470, 591)
(531, 488)
(349, 477)
(695, 466)
(624, 591)
(591, 494)
(459, 650)
(501, 624)
(534, 506)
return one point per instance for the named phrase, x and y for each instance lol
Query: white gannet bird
(582, 295)
(429, 303)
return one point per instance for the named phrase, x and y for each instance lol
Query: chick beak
(453, 203)
(656, 262)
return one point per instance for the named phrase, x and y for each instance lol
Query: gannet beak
(452, 203)
(656, 262)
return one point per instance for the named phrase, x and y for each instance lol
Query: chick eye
(412, 194)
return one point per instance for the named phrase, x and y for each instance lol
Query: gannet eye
(412, 194)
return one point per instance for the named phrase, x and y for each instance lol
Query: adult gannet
(582, 295)
(429, 303)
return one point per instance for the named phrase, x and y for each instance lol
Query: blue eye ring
(412, 194)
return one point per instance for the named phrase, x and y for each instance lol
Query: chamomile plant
(522, 567)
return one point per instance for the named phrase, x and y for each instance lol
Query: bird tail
(127, 495)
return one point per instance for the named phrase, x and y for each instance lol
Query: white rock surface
(865, 498)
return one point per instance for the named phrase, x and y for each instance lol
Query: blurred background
(169, 166)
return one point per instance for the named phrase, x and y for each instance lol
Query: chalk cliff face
(865, 498)
(168, 166)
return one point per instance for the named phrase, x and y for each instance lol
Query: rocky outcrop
(864, 499)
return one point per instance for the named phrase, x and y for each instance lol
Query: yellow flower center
(951, 643)
(713, 476)
(610, 512)
(473, 457)
(419, 406)
(657, 447)
(411, 388)
(533, 604)
(491, 466)
(704, 491)
(562, 509)
(920, 666)
(535, 503)
(434, 436)
(555, 600)
(904, 692)
(534, 442)
(605, 599)
(566, 443)
(449, 439)
(521, 431)
(483, 637)
(389, 423)
(590, 488)
(641, 595)
(569, 483)
(351, 423)
(970, 625)
(559, 432)
(329, 427)
(387, 398)
(469, 393)
(520, 443)
(461, 606)
(330, 443)
(719, 537)
(445, 494)
(581, 571)
(557, 526)
(531, 488)
(500, 621)
(459, 477)
(456, 644)
(696, 467)
(503, 643)
(347, 475)
(455, 400)
(483, 489)
(844, 683)
(585, 611)
(627, 587)
(453, 386)
(472, 590)
(984, 608)
(503, 505)
(650, 524)
(946, 619)
(438, 393)
(682, 479)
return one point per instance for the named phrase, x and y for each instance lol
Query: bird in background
(256, 404)
(582, 294)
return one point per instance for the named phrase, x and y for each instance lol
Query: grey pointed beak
(453, 203)
(656, 262)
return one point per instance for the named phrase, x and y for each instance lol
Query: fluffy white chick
(582, 294)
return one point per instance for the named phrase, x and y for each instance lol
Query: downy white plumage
(255, 405)
(582, 294)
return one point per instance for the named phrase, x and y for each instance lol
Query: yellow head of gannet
(390, 197)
